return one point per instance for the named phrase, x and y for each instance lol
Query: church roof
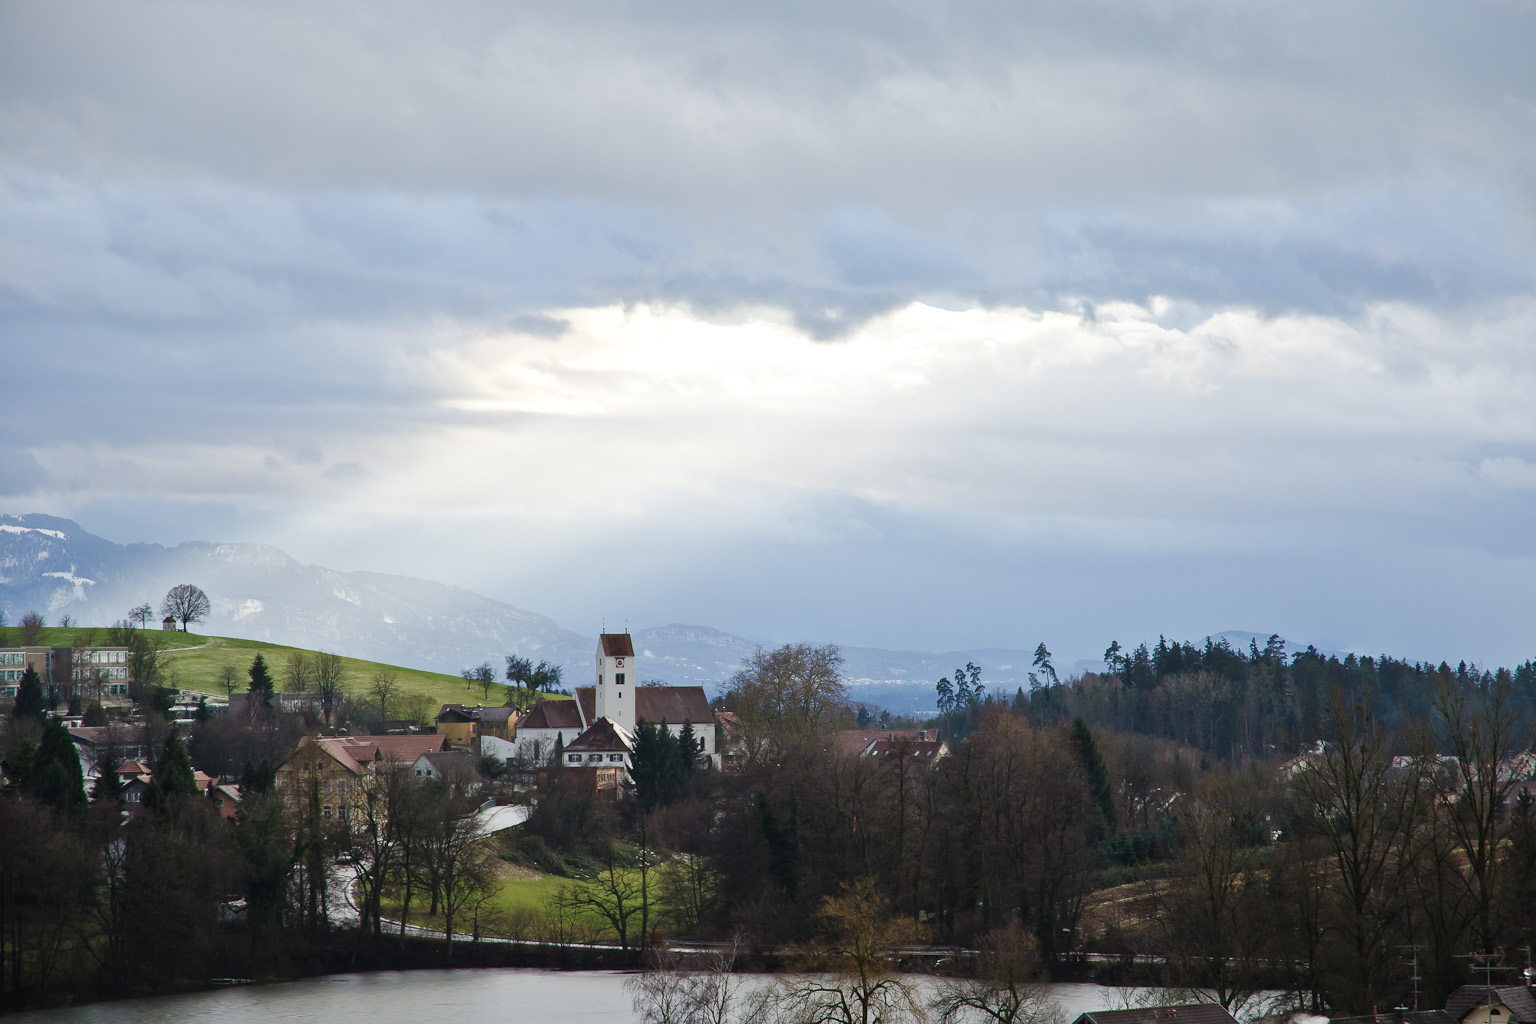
(656, 704)
(617, 645)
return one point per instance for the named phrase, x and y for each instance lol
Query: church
(598, 727)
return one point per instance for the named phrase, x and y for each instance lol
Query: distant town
(1268, 833)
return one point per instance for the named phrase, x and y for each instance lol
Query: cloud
(991, 310)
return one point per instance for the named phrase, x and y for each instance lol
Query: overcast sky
(904, 324)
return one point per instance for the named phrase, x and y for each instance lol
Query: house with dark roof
(1492, 1004)
(339, 765)
(1187, 1013)
(604, 752)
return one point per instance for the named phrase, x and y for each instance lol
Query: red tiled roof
(586, 696)
(856, 741)
(552, 714)
(617, 645)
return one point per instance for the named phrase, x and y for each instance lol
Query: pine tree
(109, 784)
(29, 696)
(689, 747)
(1097, 774)
(261, 681)
(19, 763)
(175, 772)
(56, 777)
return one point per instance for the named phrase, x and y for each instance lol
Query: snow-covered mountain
(53, 566)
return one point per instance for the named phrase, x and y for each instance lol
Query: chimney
(922, 734)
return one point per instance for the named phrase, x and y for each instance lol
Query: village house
(464, 725)
(337, 766)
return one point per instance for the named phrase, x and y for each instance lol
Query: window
(616, 757)
(618, 677)
(573, 758)
(325, 812)
(594, 757)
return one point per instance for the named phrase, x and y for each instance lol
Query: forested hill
(1233, 703)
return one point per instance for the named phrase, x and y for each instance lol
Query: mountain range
(53, 566)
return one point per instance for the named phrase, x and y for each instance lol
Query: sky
(913, 325)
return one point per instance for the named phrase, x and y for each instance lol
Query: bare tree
(1217, 927)
(1364, 806)
(417, 707)
(66, 621)
(789, 693)
(851, 975)
(229, 676)
(1004, 984)
(383, 688)
(1479, 726)
(326, 682)
(31, 627)
(140, 614)
(482, 675)
(672, 991)
(614, 895)
(185, 603)
(296, 672)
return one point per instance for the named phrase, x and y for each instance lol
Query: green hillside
(193, 662)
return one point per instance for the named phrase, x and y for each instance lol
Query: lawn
(193, 662)
(518, 908)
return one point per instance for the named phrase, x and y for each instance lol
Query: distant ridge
(259, 592)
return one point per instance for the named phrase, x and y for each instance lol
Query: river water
(471, 996)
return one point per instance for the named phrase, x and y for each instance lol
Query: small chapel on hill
(597, 729)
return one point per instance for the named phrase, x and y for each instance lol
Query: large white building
(618, 697)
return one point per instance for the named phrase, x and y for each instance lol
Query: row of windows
(106, 673)
(593, 758)
(13, 658)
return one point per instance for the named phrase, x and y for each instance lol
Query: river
(471, 996)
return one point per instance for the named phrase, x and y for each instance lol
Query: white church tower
(616, 679)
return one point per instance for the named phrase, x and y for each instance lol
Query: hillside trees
(1363, 807)
(326, 683)
(31, 629)
(789, 694)
(186, 603)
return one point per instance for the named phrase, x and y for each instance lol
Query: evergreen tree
(175, 772)
(689, 747)
(29, 696)
(257, 779)
(56, 777)
(109, 784)
(657, 766)
(19, 763)
(1097, 774)
(261, 681)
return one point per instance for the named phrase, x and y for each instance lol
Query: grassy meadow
(194, 661)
